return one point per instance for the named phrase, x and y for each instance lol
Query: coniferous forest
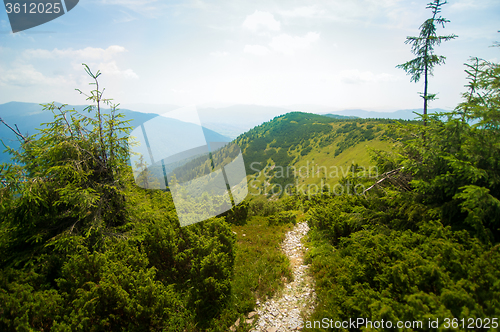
(83, 248)
(424, 244)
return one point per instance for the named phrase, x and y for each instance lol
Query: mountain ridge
(29, 117)
(405, 114)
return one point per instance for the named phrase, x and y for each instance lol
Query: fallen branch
(386, 176)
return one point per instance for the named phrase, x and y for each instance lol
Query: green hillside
(412, 242)
(301, 150)
(309, 151)
(420, 250)
(83, 248)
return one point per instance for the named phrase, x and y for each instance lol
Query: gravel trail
(283, 312)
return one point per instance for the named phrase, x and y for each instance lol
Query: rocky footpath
(284, 311)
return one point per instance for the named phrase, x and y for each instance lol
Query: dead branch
(402, 183)
(15, 131)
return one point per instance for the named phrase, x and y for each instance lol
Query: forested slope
(422, 245)
(82, 248)
(308, 150)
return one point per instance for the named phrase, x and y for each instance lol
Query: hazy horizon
(335, 54)
(158, 108)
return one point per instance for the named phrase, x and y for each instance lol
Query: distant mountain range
(337, 116)
(230, 121)
(29, 117)
(234, 120)
(220, 123)
(401, 114)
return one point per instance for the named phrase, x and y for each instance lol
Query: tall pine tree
(423, 47)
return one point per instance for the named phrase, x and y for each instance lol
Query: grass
(260, 269)
(357, 154)
(325, 156)
(312, 166)
(260, 266)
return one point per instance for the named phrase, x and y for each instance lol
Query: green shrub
(238, 214)
(424, 242)
(261, 206)
(407, 276)
(284, 217)
(84, 249)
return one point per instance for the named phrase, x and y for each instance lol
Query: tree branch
(15, 131)
(386, 176)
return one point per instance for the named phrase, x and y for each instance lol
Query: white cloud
(358, 77)
(111, 68)
(179, 91)
(383, 3)
(88, 53)
(99, 58)
(306, 11)
(219, 54)
(124, 18)
(256, 49)
(22, 75)
(127, 2)
(25, 75)
(465, 5)
(361, 11)
(287, 44)
(145, 7)
(261, 20)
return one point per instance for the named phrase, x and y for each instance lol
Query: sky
(337, 54)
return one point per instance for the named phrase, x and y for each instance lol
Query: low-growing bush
(283, 217)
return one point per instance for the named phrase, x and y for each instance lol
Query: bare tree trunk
(425, 91)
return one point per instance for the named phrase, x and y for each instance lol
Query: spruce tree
(423, 47)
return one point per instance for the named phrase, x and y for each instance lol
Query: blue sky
(336, 53)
